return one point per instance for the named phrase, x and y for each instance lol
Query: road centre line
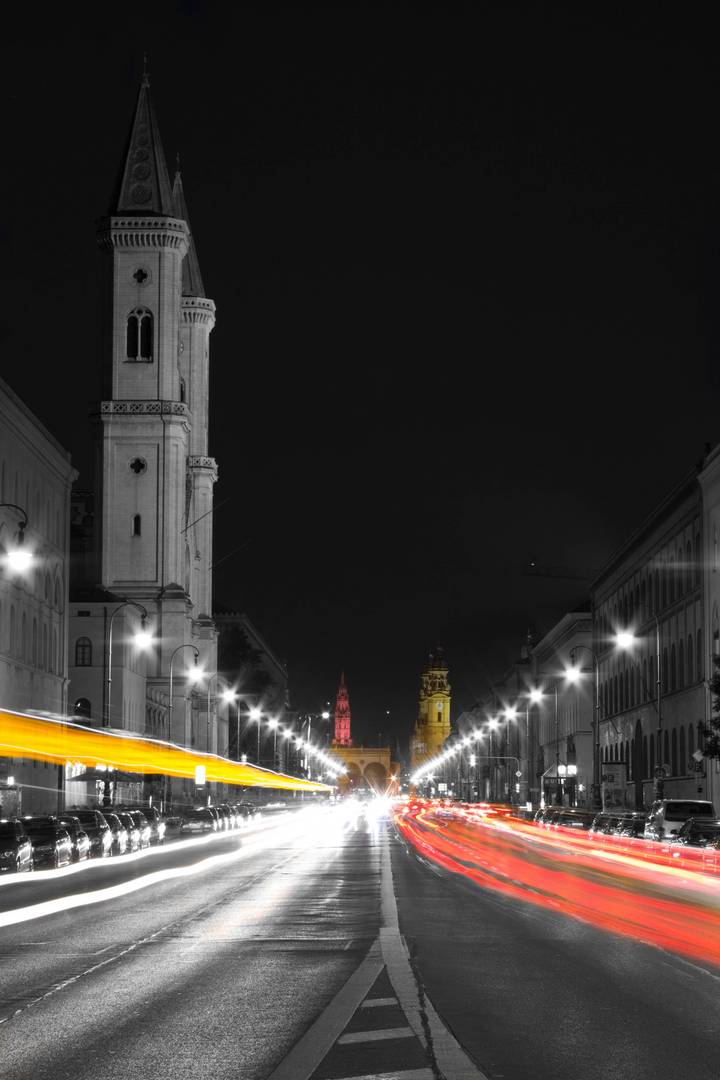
(451, 1059)
(376, 1003)
(403, 1074)
(376, 1036)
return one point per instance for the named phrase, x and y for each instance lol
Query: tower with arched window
(433, 722)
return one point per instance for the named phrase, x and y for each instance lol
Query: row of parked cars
(49, 841)
(207, 819)
(688, 822)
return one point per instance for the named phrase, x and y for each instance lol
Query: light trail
(639, 892)
(61, 742)
(41, 910)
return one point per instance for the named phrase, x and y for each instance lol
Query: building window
(139, 337)
(690, 665)
(651, 772)
(645, 758)
(671, 579)
(674, 754)
(699, 657)
(697, 559)
(34, 643)
(682, 765)
(673, 668)
(665, 670)
(681, 665)
(691, 746)
(83, 652)
(688, 567)
(136, 525)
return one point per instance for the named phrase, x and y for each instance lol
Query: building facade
(36, 476)
(433, 723)
(653, 697)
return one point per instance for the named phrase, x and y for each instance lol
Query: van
(668, 815)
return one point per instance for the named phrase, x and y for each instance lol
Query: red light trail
(640, 888)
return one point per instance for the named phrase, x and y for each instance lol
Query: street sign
(518, 774)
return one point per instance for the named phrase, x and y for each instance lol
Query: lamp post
(256, 714)
(142, 639)
(536, 697)
(492, 724)
(194, 674)
(18, 558)
(230, 697)
(207, 719)
(273, 725)
(625, 639)
(573, 676)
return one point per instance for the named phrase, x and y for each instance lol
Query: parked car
(245, 812)
(699, 832)
(143, 826)
(131, 829)
(668, 815)
(199, 821)
(217, 817)
(16, 853)
(97, 829)
(572, 817)
(632, 825)
(120, 840)
(51, 844)
(153, 818)
(230, 814)
(607, 822)
(78, 837)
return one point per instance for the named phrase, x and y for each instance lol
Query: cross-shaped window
(140, 275)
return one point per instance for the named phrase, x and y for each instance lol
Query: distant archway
(376, 777)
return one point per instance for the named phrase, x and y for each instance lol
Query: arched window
(139, 336)
(83, 652)
(671, 579)
(697, 566)
(673, 668)
(682, 765)
(645, 687)
(681, 665)
(136, 525)
(689, 566)
(656, 594)
(665, 670)
(699, 657)
(183, 391)
(691, 745)
(58, 599)
(674, 754)
(82, 708)
(645, 773)
(652, 677)
(666, 749)
(679, 572)
(664, 587)
(690, 664)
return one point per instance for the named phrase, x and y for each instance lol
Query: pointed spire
(144, 184)
(192, 283)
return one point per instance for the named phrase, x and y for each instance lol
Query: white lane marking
(306, 1055)
(405, 1074)
(130, 948)
(124, 888)
(376, 1036)
(376, 1003)
(451, 1059)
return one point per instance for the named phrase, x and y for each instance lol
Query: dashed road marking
(404, 1074)
(377, 1003)
(376, 1036)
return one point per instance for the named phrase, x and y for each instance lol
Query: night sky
(466, 272)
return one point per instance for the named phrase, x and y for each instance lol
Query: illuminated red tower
(342, 716)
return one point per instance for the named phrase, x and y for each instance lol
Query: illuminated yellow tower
(433, 722)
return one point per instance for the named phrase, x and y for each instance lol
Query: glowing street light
(141, 639)
(256, 716)
(18, 558)
(230, 697)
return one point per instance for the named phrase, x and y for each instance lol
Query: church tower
(433, 722)
(342, 716)
(155, 476)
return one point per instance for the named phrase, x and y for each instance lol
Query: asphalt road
(216, 974)
(241, 951)
(532, 993)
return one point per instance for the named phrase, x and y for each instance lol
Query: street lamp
(573, 675)
(207, 718)
(194, 675)
(626, 640)
(18, 558)
(256, 714)
(230, 696)
(273, 725)
(536, 695)
(142, 639)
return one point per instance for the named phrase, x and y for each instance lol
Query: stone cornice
(200, 463)
(144, 407)
(198, 310)
(143, 233)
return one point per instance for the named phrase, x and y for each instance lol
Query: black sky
(466, 271)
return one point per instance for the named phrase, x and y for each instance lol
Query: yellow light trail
(62, 742)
